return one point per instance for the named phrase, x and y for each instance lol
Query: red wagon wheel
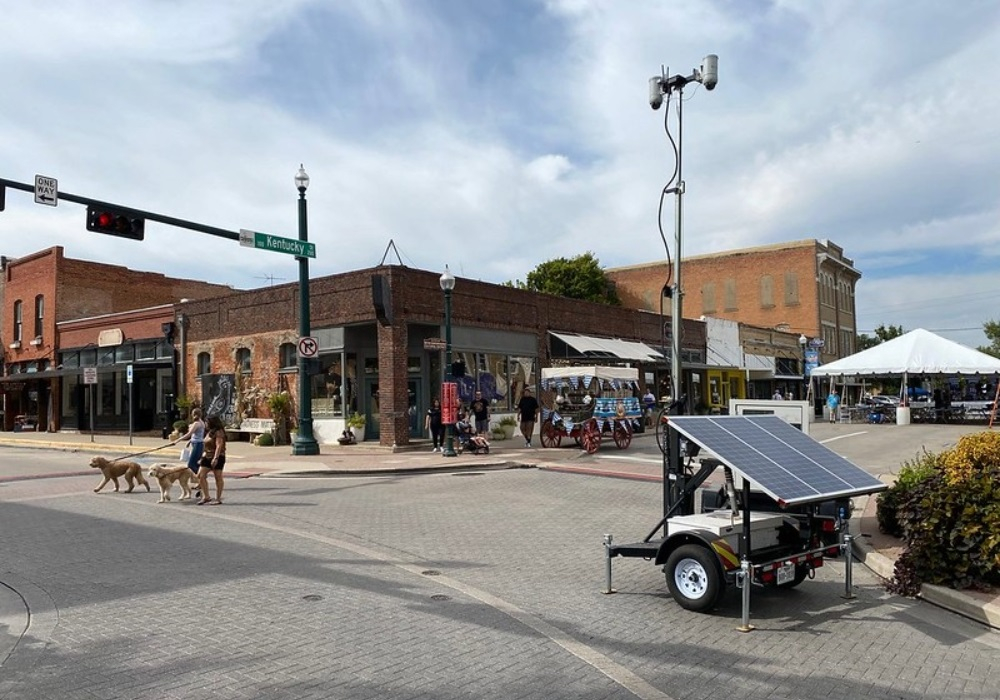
(551, 436)
(590, 436)
(622, 433)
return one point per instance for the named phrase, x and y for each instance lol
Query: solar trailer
(779, 544)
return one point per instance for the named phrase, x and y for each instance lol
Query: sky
(494, 136)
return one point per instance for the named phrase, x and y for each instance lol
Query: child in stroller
(468, 439)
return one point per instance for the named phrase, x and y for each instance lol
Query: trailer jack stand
(743, 580)
(607, 564)
(848, 548)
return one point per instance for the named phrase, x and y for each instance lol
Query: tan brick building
(802, 287)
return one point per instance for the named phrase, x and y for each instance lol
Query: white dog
(167, 474)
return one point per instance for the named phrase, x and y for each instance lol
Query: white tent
(916, 352)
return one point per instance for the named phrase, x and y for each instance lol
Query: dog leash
(144, 452)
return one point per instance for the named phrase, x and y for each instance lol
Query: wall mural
(218, 396)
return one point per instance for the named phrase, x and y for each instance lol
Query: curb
(395, 470)
(948, 598)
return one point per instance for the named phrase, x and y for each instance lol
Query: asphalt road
(471, 585)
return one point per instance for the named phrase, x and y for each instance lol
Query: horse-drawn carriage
(590, 402)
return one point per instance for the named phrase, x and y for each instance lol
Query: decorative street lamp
(448, 284)
(805, 370)
(304, 443)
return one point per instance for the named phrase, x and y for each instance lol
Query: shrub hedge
(948, 512)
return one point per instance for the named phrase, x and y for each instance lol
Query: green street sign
(256, 239)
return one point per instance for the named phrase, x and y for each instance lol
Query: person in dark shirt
(434, 425)
(527, 412)
(481, 410)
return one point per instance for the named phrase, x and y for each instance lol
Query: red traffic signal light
(115, 222)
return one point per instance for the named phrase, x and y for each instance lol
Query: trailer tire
(694, 578)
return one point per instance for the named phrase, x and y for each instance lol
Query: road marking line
(612, 669)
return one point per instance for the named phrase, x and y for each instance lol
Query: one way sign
(46, 190)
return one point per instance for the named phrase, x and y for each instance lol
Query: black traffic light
(115, 222)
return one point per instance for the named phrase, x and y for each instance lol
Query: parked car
(881, 400)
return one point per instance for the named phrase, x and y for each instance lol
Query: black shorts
(206, 462)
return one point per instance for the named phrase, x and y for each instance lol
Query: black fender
(700, 537)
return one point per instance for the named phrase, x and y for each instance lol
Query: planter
(359, 433)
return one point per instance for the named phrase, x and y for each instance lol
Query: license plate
(786, 573)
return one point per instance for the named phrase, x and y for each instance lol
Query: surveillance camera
(655, 92)
(710, 71)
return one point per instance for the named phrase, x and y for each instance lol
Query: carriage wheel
(622, 434)
(662, 421)
(590, 436)
(551, 437)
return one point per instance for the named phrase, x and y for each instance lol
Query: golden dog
(113, 470)
(167, 474)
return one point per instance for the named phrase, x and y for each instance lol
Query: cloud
(495, 138)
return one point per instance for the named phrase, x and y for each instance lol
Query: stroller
(469, 441)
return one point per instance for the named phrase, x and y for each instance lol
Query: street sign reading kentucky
(265, 241)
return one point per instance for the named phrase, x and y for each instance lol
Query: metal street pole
(448, 284)
(304, 443)
(803, 340)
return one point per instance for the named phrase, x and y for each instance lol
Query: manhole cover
(440, 596)
(312, 597)
(431, 572)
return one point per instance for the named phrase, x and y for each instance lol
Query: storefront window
(164, 350)
(287, 355)
(124, 353)
(328, 388)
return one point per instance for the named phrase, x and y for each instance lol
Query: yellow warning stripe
(729, 559)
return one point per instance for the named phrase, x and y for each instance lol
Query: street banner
(449, 403)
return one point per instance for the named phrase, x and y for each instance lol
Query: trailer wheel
(693, 577)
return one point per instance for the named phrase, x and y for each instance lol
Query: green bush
(950, 519)
(265, 440)
(181, 426)
(952, 531)
(911, 473)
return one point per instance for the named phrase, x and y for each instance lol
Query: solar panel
(781, 460)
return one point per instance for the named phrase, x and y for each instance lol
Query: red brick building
(52, 309)
(802, 287)
(373, 358)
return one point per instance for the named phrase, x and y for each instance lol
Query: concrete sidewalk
(877, 551)
(246, 459)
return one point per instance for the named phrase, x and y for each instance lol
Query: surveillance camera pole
(668, 85)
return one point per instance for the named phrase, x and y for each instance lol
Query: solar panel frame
(785, 463)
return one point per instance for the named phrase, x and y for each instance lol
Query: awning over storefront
(590, 347)
(28, 376)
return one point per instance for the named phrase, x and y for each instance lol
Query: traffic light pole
(147, 215)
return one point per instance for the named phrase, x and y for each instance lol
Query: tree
(882, 334)
(992, 331)
(581, 277)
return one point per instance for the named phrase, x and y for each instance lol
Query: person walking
(434, 426)
(527, 412)
(213, 462)
(778, 396)
(481, 411)
(649, 406)
(833, 403)
(196, 434)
